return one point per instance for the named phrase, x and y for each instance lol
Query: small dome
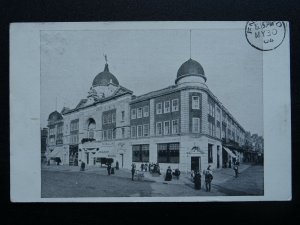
(190, 68)
(105, 78)
(55, 116)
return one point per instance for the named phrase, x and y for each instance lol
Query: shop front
(97, 154)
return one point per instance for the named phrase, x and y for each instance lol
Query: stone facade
(182, 126)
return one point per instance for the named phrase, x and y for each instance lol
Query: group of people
(208, 177)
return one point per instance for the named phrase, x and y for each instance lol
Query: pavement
(69, 181)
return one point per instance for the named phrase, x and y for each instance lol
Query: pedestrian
(82, 166)
(146, 167)
(150, 166)
(117, 165)
(168, 174)
(197, 180)
(158, 169)
(236, 170)
(229, 164)
(142, 167)
(208, 179)
(132, 171)
(108, 169)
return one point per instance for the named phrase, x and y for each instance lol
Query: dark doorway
(87, 158)
(218, 156)
(195, 163)
(122, 160)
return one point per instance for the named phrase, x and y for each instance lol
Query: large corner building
(183, 126)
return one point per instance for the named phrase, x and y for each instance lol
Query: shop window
(140, 153)
(168, 153)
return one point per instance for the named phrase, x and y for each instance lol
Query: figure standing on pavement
(82, 166)
(197, 180)
(108, 169)
(168, 174)
(236, 170)
(208, 179)
(132, 171)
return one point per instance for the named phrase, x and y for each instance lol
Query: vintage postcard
(150, 111)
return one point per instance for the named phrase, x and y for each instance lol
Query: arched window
(91, 128)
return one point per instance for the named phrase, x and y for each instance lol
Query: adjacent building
(183, 126)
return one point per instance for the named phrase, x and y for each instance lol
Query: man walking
(236, 170)
(208, 179)
(108, 169)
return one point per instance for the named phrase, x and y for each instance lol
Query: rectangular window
(139, 113)
(114, 133)
(105, 135)
(123, 132)
(104, 119)
(210, 153)
(175, 127)
(175, 105)
(133, 131)
(146, 111)
(113, 117)
(195, 102)
(167, 107)
(159, 108)
(166, 127)
(158, 128)
(146, 130)
(168, 153)
(109, 134)
(140, 153)
(123, 115)
(109, 118)
(196, 125)
(74, 125)
(139, 130)
(133, 114)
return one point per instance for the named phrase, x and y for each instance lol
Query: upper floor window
(51, 131)
(159, 108)
(146, 111)
(109, 134)
(139, 113)
(158, 128)
(139, 130)
(146, 130)
(175, 127)
(166, 127)
(133, 131)
(74, 125)
(123, 115)
(167, 107)
(109, 118)
(123, 132)
(113, 117)
(175, 105)
(195, 102)
(133, 114)
(211, 109)
(196, 125)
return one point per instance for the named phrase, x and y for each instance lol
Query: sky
(148, 60)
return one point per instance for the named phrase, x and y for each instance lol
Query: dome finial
(190, 43)
(106, 65)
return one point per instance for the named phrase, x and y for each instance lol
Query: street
(64, 182)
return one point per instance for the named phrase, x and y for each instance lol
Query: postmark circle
(265, 35)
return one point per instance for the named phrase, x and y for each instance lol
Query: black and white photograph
(156, 113)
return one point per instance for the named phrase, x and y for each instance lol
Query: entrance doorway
(195, 163)
(122, 160)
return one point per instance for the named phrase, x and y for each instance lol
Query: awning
(229, 152)
(57, 152)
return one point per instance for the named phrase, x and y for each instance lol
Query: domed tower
(104, 84)
(190, 73)
(54, 117)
